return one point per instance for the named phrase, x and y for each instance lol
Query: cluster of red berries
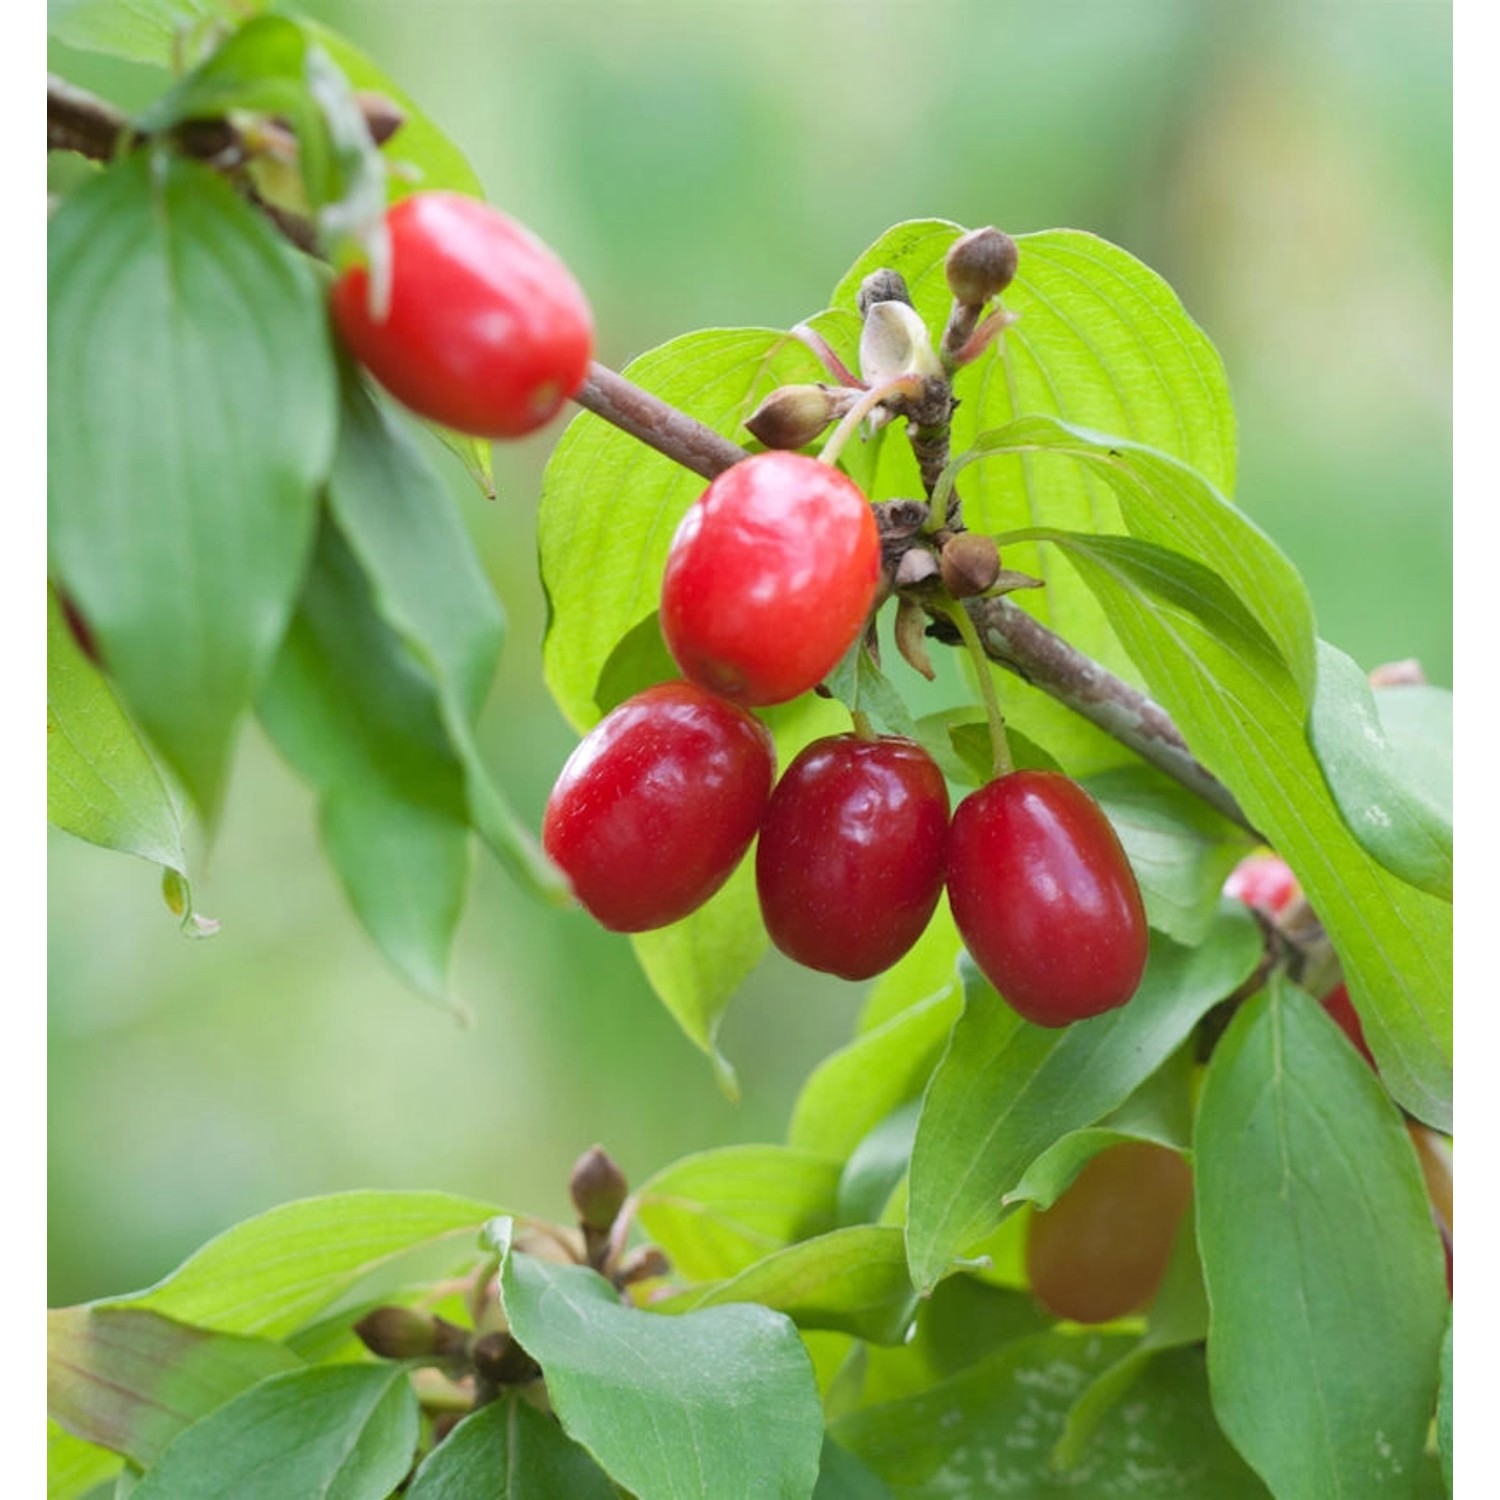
(769, 580)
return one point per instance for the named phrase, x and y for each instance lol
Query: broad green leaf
(859, 684)
(718, 1402)
(610, 505)
(1418, 722)
(339, 1432)
(191, 420)
(877, 1166)
(102, 784)
(990, 1430)
(275, 1273)
(399, 520)
(1245, 719)
(1005, 1090)
(1408, 833)
(850, 1280)
(849, 1093)
(1325, 1280)
(717, 1212)
(357, 716)
(142, 30)
(131, 1380)
(964, 1321)
(841, 1476)
(509, 1450)
(927, 968)
(74, 1467)
(697, 964)
(1445, 1408)
(1180, 848)
(639, 661)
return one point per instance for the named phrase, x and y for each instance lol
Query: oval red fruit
(487, 332)
(770, 578)
(850, 861)
(656, 807)
(1264, 881)
(1045, 899)
(1338, 1005)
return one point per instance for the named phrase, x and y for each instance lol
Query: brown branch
(78, 121)
(657, 424)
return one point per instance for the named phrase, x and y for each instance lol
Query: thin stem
(999, 742)
(902, 385)
(863, 728)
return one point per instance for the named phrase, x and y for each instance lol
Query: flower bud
(796, 414)
(500, 1360)
(402, 1333)
(383, 117)
(970, 564)
(598, 1189)
(980, 265)
(881, 286)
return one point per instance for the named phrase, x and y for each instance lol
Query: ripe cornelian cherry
(850, 861)
(1045, 899)
(770, 578)
(1264, 881)
(1338, 1005)
(657, 806)
(1100, 1251)
(486, 330)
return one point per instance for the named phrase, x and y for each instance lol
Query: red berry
(1045, 899)
(1338, 1005)
(1264, 881)
(657, 806)
(1100, 1251)
(486, 332)
(850, 861)
(770, 578)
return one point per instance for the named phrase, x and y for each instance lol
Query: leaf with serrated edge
(182, 499)
(1327, 1316)
(718, 1402)
(276, 1272)
(1006, 1090)
(344, 1431)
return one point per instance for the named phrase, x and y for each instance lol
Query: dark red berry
(657, 806)
(770, 578)
(486, 332)
(1045, 899)
(850, 861)
(1338, 1005)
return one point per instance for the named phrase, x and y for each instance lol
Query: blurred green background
(1287, 166)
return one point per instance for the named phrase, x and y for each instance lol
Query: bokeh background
(1285, 164)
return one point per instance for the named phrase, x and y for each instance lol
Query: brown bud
(881, 286)
(911, 630)
(796, 414)
(643, 1264)
(383, 117)
(970, 564)
(500, 1360)
(402, 1333)
(917, 565)
(981, 265)
(598, 1189)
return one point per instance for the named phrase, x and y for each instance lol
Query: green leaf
(640, 660)
(841, 1476)
(1408, 833)
(1006, 1090)
(696, 965)
(74, 1467)
(717, 1212)
(275, 1273)
(718, 1402)
(850, 1280)
(191, 404)
(927, 968)
(400, 522)
(509, 1450)
(356, 715)
(339, 1432)
(849, 1093)
(990, 1430)
(1418, 722)
(131, 1380)
(102, 784)
(1245, 718)
(1445, 1407)
(142, 30)
(1324, 1277)
(610, 505)
(1180, 848)
(859, 684)
(877, 1166)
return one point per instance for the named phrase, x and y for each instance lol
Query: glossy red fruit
(1338, 1005)
(657, 806)
(1045, 899)
(1264, 881)
(1100, 1251)
(850, 861)
(770, 578)
(486, 332)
